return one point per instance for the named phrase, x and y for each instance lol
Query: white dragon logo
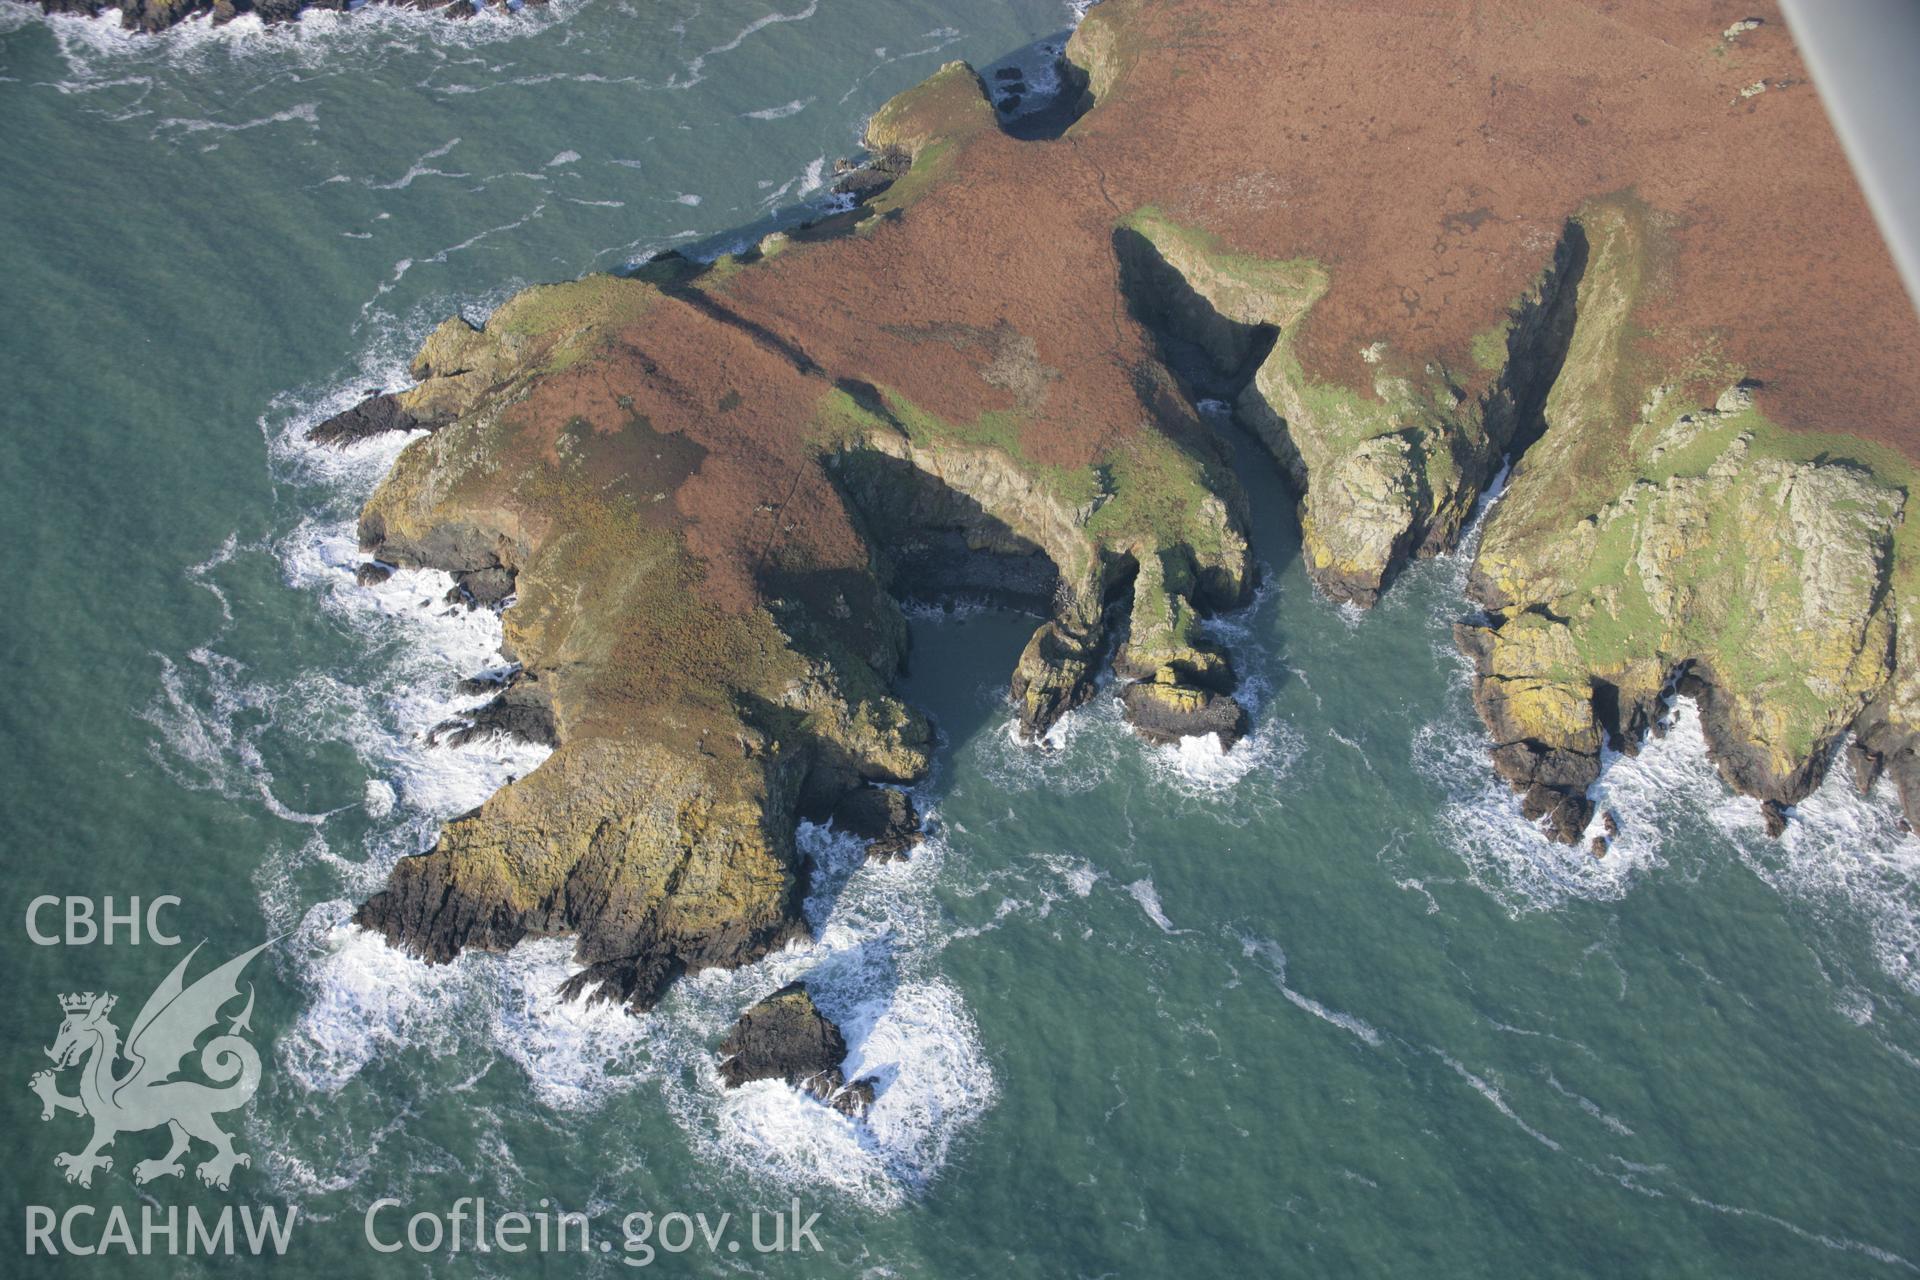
(146, 1096)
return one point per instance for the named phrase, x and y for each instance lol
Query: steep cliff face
(1654, 542)
(1382, 476)
(1008, 518)
(706, 487)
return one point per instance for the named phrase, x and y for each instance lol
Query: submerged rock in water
(786, 1037)
(882, 816)
(372, 573)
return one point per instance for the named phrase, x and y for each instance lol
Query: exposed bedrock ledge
(1179, 686)
(377, 415)
(1664, 537)
(657, 863)
(884, 818)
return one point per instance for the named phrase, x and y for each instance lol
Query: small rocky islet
(707, 487)
(785, 1037)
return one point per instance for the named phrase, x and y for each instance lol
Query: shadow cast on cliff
(1212, 360)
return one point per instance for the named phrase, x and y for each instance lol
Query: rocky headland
(1403, 248)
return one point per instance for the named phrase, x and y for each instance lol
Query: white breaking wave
(1199, 767)
(364, 998)
(1592, 1108)
(1843, 854)
(1508, 857)
(98, 50)
(869, 968)
(1270, 957)
(379, 798)
(420, 168)
(793, 108)
(1085, 747)
(439, 644)
(1492, 1094)
(815, 176)
(695, 70)
(1143, 892)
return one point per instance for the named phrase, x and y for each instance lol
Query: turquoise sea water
(1323, 1006)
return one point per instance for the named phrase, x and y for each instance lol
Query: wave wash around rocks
(1665, 536)
(707, 487)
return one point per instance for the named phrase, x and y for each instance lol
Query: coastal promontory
(1402, 250)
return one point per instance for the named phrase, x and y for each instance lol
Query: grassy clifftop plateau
(1401, 249)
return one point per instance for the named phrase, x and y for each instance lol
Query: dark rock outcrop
(1164, 714)
(376, 415)
(786, 1037)
(517, 713)
(1864, 764)
(486, 682)
(856, 1099)
(372, 573)
(1552, 774)
(481, 588)
(1887, 745)
(864, 181)
(884, 818)
(1746, 766)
